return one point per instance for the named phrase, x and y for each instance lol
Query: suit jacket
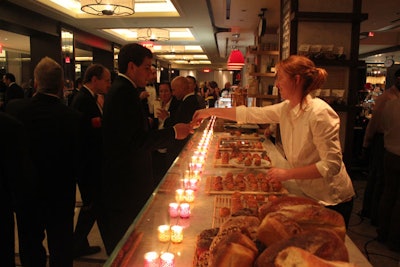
(16, 185)
(127, 143)
(183, 114)
(13, 92)
(90, 165)
(53, 140)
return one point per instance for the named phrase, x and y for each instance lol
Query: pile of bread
(289, 231)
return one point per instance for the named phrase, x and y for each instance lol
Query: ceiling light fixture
(236, 59)
(108, 7)
(152, 34)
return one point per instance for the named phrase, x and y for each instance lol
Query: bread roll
(323, 243)
(293, 256)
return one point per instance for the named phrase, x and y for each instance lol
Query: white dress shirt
(309, 136)
(151, 98)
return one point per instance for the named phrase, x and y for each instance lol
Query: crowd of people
(101, 141)
(117, 138)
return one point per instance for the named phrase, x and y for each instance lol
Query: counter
(142, 236)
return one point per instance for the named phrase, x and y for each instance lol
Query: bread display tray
(244, 186)
(250, 144)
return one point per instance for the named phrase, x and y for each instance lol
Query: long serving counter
(143, 235)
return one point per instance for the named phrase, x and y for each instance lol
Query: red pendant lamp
(236, 59)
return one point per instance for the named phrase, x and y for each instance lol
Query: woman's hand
(276, 174)
(199, 116)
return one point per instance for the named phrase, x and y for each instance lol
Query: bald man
(189, 104)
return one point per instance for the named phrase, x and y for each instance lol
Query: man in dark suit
(13, 91)
(15, 186)
(189, 104)
(97, 81)
(127, 143)
(75, 91)
(53, 132)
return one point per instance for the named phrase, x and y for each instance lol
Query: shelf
(337, 62)
(263, 74)
(264, 52)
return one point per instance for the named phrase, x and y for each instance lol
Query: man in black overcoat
(53, 131)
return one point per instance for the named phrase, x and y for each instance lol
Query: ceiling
(213, 24)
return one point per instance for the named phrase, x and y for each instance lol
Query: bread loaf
(291, 220)
(282, 202)
(294, 256)
(231, 254)
(276, 227)
(323, 243)
(243, 224)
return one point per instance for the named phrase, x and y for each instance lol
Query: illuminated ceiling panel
(130, 34)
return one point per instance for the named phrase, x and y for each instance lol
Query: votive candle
(176, 234)
(164, 234)
(179, 195)
(189, 195)
(193, 183)
(167, 260)
(151, 259)
(184, 210)
(173, 209)
(186, 183)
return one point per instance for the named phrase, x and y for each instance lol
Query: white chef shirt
(309, 136)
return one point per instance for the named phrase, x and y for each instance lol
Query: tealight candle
(151, 259)
(167, 260)
(186, 183)
(164, 234)
(173, 209)
(189, 195)
(201, 159)
(193, 184)
(179, 197)
(177, 234)
(184, 210)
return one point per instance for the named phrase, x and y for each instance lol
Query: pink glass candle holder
(167, 260)
(184, 210)
(179, 195)
(151, 259)
(173, 210)
(176, 234)
(164, 233)
(193, 183)
(186, 183)
(189, 195)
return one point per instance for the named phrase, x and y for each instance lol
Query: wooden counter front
(142, 236)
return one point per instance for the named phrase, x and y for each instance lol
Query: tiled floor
(360, 231)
